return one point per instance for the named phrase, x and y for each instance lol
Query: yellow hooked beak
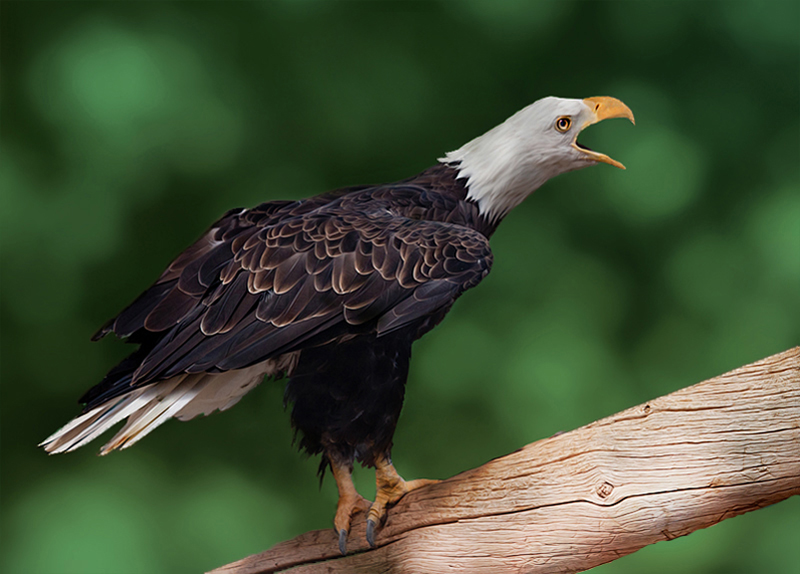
(603, 108)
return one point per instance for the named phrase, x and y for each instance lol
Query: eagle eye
(563, 123)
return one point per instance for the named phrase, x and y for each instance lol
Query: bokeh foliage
(127, 127)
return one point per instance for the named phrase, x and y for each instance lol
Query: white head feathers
(512, 160)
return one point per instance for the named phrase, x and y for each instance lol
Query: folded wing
(265, 282)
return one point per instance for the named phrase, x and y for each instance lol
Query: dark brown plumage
(330, 291)
(288, 275)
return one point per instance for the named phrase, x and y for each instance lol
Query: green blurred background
(128, 127)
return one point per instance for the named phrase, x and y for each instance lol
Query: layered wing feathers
(267, 281)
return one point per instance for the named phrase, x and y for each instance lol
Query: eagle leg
(390, 488)
(350, 502)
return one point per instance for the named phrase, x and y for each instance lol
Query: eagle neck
(444, 180)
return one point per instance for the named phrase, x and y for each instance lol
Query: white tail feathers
(155, 413)
(183, 397)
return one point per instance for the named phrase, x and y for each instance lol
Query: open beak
(603, 108)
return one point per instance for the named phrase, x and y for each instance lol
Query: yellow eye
(563, 123)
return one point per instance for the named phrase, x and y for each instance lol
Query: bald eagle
(331, 292)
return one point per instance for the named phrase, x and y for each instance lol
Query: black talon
(371, 533)
(343, 542)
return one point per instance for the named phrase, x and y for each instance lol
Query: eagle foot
(350, 503)
(348, 506)
(390, 489)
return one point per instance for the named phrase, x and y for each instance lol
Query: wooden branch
(568, 503)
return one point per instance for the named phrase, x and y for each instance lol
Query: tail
(183, 397)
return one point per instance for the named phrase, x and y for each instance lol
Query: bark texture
(565, 504)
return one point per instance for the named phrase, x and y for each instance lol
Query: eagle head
(509, 162)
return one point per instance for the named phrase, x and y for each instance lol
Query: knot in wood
(647, 409)
(604, 489)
